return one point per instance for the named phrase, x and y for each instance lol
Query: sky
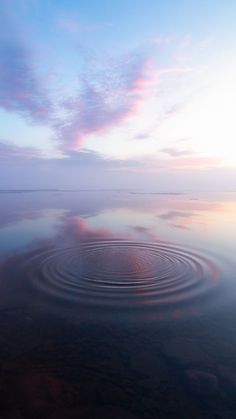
(97, 94)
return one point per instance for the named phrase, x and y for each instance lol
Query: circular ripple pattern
(122, 273)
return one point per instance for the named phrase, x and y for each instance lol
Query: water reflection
(117, 305)
(120, 255)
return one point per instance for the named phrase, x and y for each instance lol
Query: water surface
(117, 304)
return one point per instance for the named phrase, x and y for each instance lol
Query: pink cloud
(106, 99)
(109, 97)
(75, 229)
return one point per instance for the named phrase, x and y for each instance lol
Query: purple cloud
(83, 159)
(106, 98)
(21, 89)
(12, 152)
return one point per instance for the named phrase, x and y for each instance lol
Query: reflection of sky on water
(17, 235)
(207, 221)
(100, 250)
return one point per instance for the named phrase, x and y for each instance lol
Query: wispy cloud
(21, 89)
(106, 98)
(108, 93)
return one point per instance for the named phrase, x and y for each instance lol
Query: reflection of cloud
(170, 215)
(141, 229)
(181, 226)
(75, 230)
(179, 219)
(132, 217)
(145, 232)
(38, 204)
(13, 215)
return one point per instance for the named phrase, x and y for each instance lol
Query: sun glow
(211, 118)
(207, 123)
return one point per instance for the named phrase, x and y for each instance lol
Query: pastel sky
(127, 94)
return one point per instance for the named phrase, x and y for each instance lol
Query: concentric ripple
(122, 273)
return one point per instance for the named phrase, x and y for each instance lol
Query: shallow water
(117, 304)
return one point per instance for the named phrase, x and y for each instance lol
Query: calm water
(117, 305)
